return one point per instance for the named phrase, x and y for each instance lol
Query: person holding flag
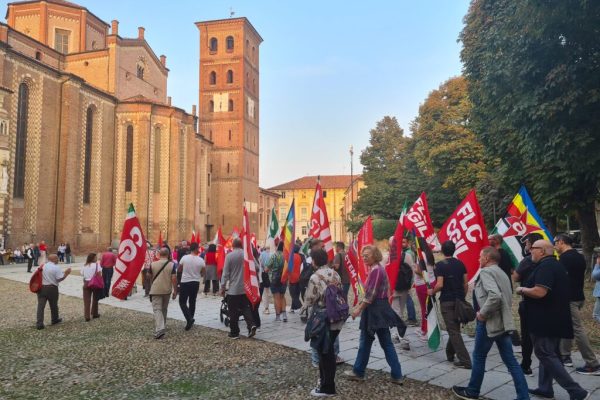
(237, 301)
(424, 279)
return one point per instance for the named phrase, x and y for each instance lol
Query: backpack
(335, 304)
(35, 283)
(405, 276)
(305, 275)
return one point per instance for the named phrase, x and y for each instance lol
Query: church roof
(60, 3)
(309, 182)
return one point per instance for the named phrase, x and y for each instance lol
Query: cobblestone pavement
(419, 363)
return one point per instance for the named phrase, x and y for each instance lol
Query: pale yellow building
(303, 191)
(351, 195)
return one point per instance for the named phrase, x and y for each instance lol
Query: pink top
(108, 260)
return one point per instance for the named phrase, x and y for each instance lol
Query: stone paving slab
(418, 363)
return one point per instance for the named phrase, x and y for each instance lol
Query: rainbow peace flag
(521, 218)
(289, 232)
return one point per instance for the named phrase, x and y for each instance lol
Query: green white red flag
(250, 279)
(131, 255)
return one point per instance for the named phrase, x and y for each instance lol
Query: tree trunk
(588, 225)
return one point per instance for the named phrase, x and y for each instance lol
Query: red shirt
(108, 260)
(42, 247)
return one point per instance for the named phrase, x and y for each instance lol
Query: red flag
(250, 278)
(131, 255)
(253, 240)
(198, 237)
(418, 219)
(351, 264)
(160, 239)
(393, 264)
(193, 239)
(467, 230)
(220, 252)
(365, 237)
(319, 222)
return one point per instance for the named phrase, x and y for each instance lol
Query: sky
(329, 70)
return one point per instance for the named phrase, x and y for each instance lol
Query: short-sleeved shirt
(453, 271)
(378, 285)
(163, 283)
(191, 267)
(88, 271)
(275, 264)
(575, 265)
(51, 274)
(109, 259)
(549, 316)
(342, 271)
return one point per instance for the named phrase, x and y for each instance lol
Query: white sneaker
(316, 392)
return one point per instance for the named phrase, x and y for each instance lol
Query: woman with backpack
(318, 285)
(275, 269)
(376, 318)
(423, 272)
(90, 296)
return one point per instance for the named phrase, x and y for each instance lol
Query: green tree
(534, 81)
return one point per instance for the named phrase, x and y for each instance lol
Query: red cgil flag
(220, 242)
(250, 277)
(351, 264)
(466, 229)
(131, 255)
(365, 237)
(418, 219)
(393, 264)
(319, 222)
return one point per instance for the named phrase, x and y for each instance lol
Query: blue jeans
(596, 312)
(483, 344)
(314, 354)
(364, 352)
(410, 308)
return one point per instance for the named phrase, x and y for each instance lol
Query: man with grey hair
(492, 297)
(548, 314)
(237, 302)
(163, 280)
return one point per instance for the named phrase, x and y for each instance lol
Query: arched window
(140, 71)
(87, 162)
(228, 168)
(157, 160)
(211, 106)
(230, 107)
(229, 76)
(212, 79)
(230, 135)
(129, 159)
(20, 151)
(229, 43)
(214, 44)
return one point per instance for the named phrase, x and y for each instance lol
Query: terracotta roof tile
(309, 182)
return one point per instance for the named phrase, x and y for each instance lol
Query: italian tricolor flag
(433, 328)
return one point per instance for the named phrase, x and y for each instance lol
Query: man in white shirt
(191, 267)
(52, 275)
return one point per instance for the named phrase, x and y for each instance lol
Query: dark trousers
(327, 366)
(29, 264)
(526, 344)
(455, 342)
(295, 294)
(215, 285)
(547, 351)
(188, 291)
(256, 315)
(146, 282)
(107, 274)
(48, 293)
(90, 302)
(238, 304)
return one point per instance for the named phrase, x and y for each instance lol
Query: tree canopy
(533, 71)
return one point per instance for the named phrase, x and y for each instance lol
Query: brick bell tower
(228, 99)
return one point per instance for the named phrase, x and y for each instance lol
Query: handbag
(316, 324)
(96, 283)
(464, 311)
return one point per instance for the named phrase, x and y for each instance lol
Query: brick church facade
(86, 127)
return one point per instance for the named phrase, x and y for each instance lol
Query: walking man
(163, 283)
(237, 302)
(575, 266)
(493, 298)
(191, 268)
(107, 262)
(549, 319)
(521, 274)
(52, 275)
(451, 281)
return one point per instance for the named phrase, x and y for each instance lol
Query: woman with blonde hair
(90, 296)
